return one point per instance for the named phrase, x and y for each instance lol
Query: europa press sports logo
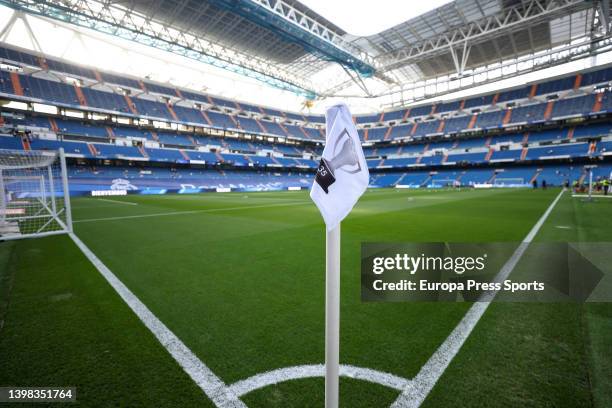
(344, 159)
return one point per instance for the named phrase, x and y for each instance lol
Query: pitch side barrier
(162, 191)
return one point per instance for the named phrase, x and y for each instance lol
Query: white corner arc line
(258, 381)
(417, 390)
(208, 382)
(117, 201)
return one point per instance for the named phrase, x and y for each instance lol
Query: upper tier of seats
(571, 95)
(113, 141)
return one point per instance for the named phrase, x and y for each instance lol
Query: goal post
(34, 195)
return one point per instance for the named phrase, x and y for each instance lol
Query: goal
(440, 183)
(34, 196)
(509, 182)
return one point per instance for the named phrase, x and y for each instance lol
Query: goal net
(509, 182)
(34, 197)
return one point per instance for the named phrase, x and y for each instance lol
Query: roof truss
(113, 19)
(461, 39)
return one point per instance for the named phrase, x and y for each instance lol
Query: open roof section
(363, 18)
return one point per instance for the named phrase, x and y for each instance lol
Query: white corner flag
(342, 177)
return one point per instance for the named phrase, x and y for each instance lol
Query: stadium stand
(549, 123)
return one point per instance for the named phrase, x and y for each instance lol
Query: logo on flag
(344, 159)
(342, 176)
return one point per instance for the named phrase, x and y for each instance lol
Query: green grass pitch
(240, 277)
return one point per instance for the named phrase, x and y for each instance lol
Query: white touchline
(244, 207)
(417, 390)
(212, 385)
(117, 201)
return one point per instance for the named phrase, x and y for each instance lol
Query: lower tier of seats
(553, 175)
(161, 180)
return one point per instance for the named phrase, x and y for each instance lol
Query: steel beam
(539, 61)
(509, 20)
(124, 23)
(528, 63)
(322, 38)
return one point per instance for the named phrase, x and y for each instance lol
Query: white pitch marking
(258, 381)
(117, 201)
(417, 390)
(212, 385)
(244, 207)
(593, 196)
(89, 207)
(563, 226)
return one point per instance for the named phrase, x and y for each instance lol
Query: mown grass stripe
(117, 201)
(212, 385)
(209, 210)
(417, 390)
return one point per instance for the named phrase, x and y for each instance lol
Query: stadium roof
(222, 23)
(289, 46)
(492, 30)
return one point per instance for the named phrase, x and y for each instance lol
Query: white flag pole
(342, 177)
(332, 317)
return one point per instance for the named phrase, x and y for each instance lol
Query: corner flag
(342, 177)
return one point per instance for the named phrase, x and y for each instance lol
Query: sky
(360, 18)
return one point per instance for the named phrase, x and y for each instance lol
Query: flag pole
(332, 317)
